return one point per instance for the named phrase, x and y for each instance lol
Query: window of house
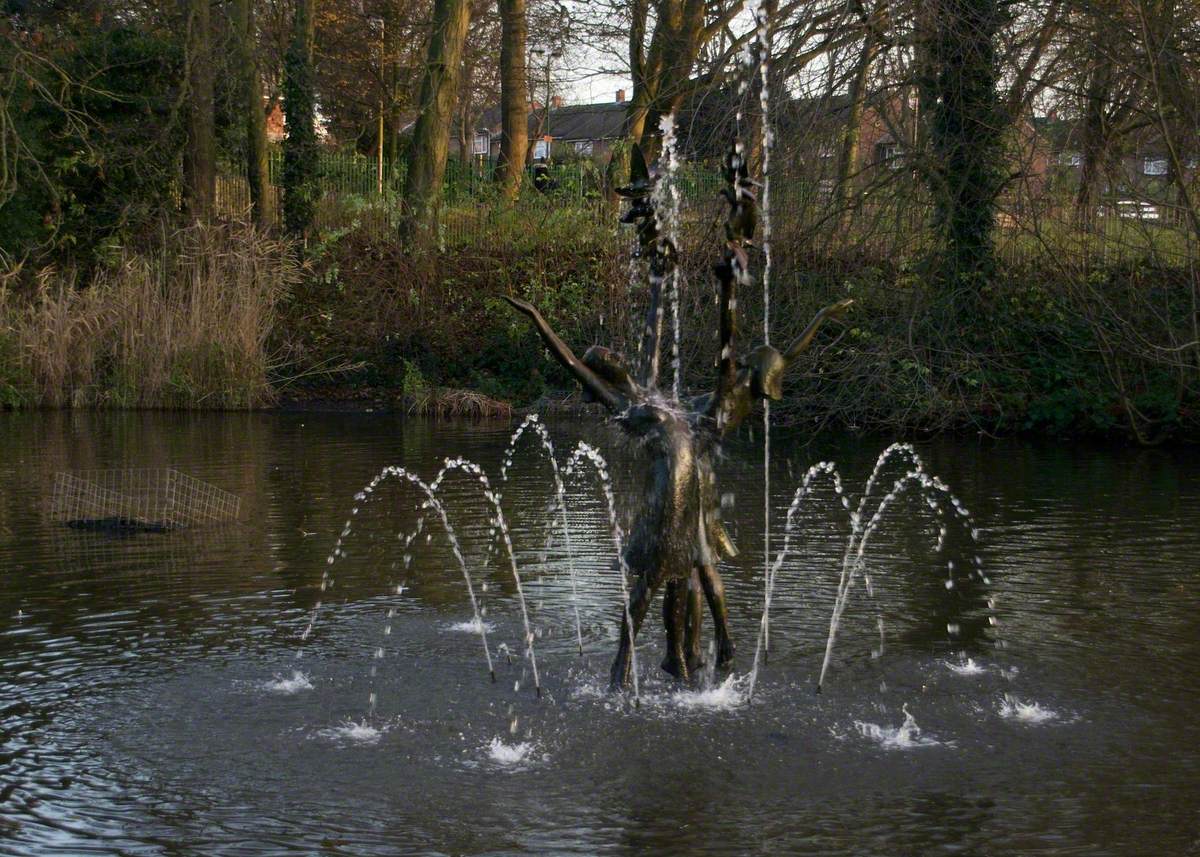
(583, 147)
(890, 154)
(1070, 159)
(1155, 166)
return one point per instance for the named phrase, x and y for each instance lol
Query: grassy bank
(224, 317)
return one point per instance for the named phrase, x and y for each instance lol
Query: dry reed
(450, 403)
(185, 326)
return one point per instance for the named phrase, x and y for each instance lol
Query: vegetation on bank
(226, 317)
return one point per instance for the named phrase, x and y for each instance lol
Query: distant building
(1136, 175)
(277, 123)
(586, 130)
(276, 127)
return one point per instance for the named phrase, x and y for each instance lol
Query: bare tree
(873, 25)
(662, 69)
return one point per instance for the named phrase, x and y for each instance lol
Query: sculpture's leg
(639, 603)
(695, 619)
(714, 592)
(675, 620)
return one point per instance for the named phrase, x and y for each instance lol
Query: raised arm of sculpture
(603, 391)
(805, 340)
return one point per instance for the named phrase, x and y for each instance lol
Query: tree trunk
(514, 104)
(200, 154)
(252, 104)
(639, 100)
(300, 189)
(639, 115)
(430, 141)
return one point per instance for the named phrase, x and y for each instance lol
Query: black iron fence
(887, 221)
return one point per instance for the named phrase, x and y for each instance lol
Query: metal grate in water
(158, 497)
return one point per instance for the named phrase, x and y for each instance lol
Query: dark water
(140, 709)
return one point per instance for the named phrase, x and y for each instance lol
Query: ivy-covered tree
(967, 124)
(250, 100)
(300, 168)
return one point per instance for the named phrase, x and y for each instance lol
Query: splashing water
(1011, 708)
(725, 696)
(500, 524)
(431, 503)
(350, 732)
(585, 452)
(965, 667)
(824, 468)
(937, 497)
(906, 736)
(295, 683)
(508, 754)
(763, 52)
(863, 523)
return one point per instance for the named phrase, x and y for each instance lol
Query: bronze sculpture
(678, 538)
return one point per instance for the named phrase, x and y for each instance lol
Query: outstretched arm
(585, 376)
(801, 345)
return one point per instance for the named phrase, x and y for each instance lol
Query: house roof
(604, 121)
(589, 121)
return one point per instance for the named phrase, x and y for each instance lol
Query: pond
(159, 693)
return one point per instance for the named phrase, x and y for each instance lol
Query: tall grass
(183, 326)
